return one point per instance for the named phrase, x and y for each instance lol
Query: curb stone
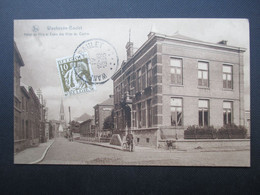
(96, 144)
(43, 155)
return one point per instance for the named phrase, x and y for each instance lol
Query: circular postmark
(101, 57)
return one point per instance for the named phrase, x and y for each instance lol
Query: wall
(226, 144)
(143, 135)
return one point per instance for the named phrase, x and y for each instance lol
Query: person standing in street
(130, 141)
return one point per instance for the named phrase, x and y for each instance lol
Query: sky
(39, 51)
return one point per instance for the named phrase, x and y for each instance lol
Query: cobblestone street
(65, 152)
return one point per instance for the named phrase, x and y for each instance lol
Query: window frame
(225, 82)
(203, 80)
(203, 109)
(149, 113)
(139, 115)
(139, 79)
(225, 112)
(176, 113)
(149, 74)
(175, 68)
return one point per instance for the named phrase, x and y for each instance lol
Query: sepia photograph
(140, 92)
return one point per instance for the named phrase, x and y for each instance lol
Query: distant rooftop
(107, 102)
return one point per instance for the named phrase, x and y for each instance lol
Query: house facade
(87, 128)
(102, 111)
(27, 110)
(19, 139)
(172, 82)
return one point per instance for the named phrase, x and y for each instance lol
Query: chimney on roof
(223, 42)
(111, 96)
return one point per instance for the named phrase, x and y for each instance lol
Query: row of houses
(30, 112)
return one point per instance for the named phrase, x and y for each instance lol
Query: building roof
(86, 121)
(183, 38)
(107, 102)
(16, 50)
(180, 38)
(25, 91)
(83, 117)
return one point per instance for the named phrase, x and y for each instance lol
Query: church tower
(62, 125)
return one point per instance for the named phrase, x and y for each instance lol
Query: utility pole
(69, 115)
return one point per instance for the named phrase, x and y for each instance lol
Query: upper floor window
(22, 103)
(121, 91)
(176, 71)
(227, 77)
(176, 112)
(203, 74)
(139, 74)
(203, 112)
(117, 98)
(128, 84)
(227, 113)
(139, 117)
(149, 74)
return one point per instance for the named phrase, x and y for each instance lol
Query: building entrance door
(128, 116)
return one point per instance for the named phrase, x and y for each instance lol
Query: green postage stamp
(75, 75)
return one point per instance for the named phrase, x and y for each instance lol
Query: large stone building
(172, 82)
(102, 111)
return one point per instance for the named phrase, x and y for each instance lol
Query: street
(65, 152)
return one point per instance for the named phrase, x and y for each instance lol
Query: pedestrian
(130, 141)
(71, 135)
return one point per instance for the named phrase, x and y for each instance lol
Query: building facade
(27, 110)
(87, 128)
(102, 111)
(34, 114)
(55, 127)
(172, 82)
(19, 140)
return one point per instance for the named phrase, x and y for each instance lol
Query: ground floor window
(134, 119)
(176, 111)
(227, 113)
(203, 112)
(149, 113)
(139, 111)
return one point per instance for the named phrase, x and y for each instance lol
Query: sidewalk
(142, 148)
(33, 155)
(107, 145)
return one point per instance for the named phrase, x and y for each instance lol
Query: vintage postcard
(149, 92)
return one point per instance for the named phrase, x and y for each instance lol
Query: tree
(74, 126)
(109, 122)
